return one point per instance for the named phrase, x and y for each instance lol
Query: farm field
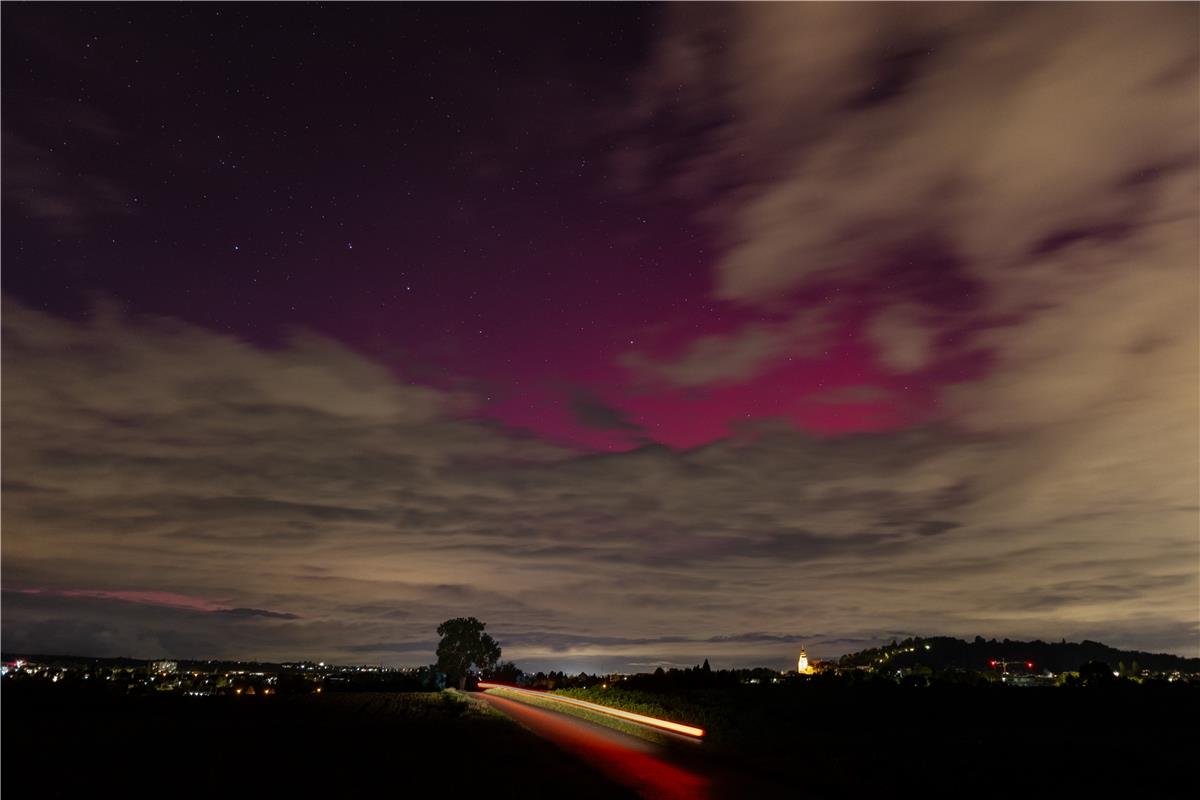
(997, 741)
(852, 741)
(335, 745)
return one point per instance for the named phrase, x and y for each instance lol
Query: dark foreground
(872, 740)
(836, 743)
(328, 746)
(673, 769)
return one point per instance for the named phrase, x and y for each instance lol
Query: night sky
(643, 333)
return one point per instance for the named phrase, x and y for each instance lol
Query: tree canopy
(463, 645)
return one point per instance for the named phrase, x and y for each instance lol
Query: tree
(1096, 673)
(463, 645)
(505, 672)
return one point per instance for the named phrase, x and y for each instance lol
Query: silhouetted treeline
(691, 679)
(944, 653)
(698, 677)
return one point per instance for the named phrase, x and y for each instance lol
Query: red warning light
(993, 662)
(1028, 665)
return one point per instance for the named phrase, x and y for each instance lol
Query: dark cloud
(617, 550)
(90, 625)
(255, 612)
(765, 637)
(592, 412)
(38, 184)
(849, 394)
(424, 647)
(934, 527)
(730, 358)
(1059, 219)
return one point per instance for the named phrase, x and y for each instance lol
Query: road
(648, 769)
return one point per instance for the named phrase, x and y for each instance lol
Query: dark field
(330, 746)
(1002, 742)
(819, 741)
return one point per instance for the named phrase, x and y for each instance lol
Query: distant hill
(944, 652)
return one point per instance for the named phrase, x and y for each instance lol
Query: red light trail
(641, 719)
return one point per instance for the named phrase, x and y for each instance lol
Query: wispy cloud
(1048, 151)
(300, 500)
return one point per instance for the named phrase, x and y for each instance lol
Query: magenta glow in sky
(641, 335)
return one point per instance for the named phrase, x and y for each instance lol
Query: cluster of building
(193, 679)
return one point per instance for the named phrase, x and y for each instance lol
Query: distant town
(912, 662)
(208, 678)
(883, 714)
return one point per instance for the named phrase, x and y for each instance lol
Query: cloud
(144, 456)
(592, 412)
(152, 598)
(1050, 154)
(90, 625)
(1051, 151)
(1042, 158)
(255, 612)
(33, 183)
(44, 185)
(849, 395)
(905, 343)
(997, 126)
(731, 358)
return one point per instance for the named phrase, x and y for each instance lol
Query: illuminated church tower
(802, 663)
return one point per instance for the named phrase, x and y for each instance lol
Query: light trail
(642, 719)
